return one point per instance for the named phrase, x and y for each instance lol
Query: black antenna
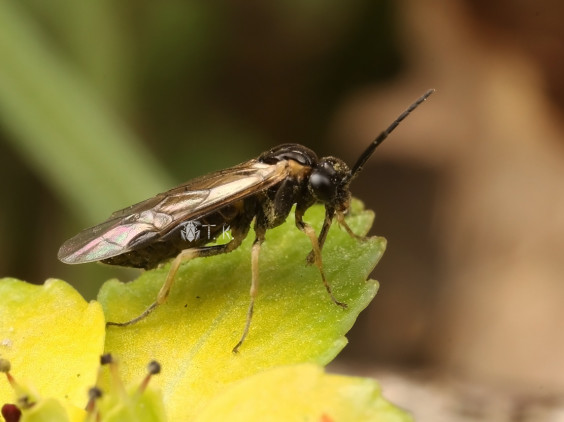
(368, 152)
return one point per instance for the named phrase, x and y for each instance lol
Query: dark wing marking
(154, 217)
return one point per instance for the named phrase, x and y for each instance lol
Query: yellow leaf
(52, 338)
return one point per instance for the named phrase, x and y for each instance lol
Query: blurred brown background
(105, 103)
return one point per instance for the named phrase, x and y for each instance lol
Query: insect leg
(183, 256)
(329, 213)
(255, 251)
(343, 223)
(310, 232)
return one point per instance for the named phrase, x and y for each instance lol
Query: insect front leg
(317, 260)
(343, 223)
(184, 256)
(329, 213)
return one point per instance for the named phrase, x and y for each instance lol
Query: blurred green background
(106, 103)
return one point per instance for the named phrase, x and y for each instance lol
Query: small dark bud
(106, 359)
(94, 393)
(5, 366)
(154, 367)
(24, 402)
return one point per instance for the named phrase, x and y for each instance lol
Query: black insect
(263, 189)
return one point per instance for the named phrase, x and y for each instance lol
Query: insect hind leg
(184, 256)
(255, 252)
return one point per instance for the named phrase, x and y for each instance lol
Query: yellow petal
(52, 337)
(302, 393)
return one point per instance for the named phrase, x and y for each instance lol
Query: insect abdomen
(193, 233)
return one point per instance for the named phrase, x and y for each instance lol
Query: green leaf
(295, 321)
(302, 393)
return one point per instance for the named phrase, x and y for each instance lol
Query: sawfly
(262, 190)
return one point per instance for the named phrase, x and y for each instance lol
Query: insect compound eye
(323, 183)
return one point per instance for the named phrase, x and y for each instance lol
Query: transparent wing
(153, 218)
